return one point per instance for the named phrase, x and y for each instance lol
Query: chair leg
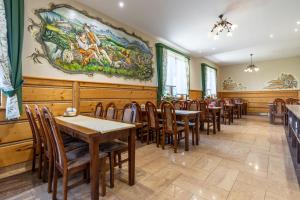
(50, 175)
(45, 166)
(163, 140)
(193, 136)
(175, 143)
(157, 133)
(33, 159)
(40, 163)
(54, 184)
(148, 137)
(111, 170)
(65, 185)
(119, 160)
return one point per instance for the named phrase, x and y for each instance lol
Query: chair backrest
(111, 111)
(128, 113)
(152, 115)
(37, 138)
(292, 101)
(222, 104)
(178, 105)
(203, 105)
(228, 101)
(60, 157)
(279, 106)
(193, 105)
(43, 130)
(99, 110)
(138, 114)
(169, 117)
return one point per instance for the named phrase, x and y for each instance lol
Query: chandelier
(251, 67)
(223, 25)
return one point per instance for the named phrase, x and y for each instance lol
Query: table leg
(197, 129)
(131, 157)
(219, 121)
(232, 115)
(94, 169)
(186, 132)
(214, 122)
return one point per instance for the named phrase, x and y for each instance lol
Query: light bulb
(256, 69)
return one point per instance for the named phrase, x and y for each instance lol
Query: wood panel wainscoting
(16, 137)
(258, 100)
(195, 94)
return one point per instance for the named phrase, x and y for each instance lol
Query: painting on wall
(77, 43)
(284, 81)
(229, 84)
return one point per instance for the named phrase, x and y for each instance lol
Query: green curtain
(159, 63)
(204, 67)
(14, 11)
(203, 72)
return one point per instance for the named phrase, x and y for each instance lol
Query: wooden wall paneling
(76, 96)
(258, 100)
(195, 94)
(15, 153)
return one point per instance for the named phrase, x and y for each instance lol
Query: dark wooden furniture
(205, 116)
(154, 126)
(294, 130)
(279, 110)
(186, 116)
(178, 105)
(72, 162)
(96, 131)
(225, 111)
(37, 141)
(216, 118)
(170, 127)
(193, 106)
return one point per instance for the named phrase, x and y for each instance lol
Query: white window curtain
(211, 82)
(12, 109)
(176, 73)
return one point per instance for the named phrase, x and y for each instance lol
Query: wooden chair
(99, 110)
(170, 126)
(279, 110)
(116, 148)
(225, 112)
(111, 111)
(205, 116)
(178, 105)
(139, 118)
(48, 147)
(68, 163)
(38, 141)
(292, 101)
(193, 106)
(154, 127)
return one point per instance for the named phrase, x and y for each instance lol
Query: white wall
(269, 70)
(195, 72)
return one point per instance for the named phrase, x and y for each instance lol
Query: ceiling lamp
(223, 25)
(251, 67)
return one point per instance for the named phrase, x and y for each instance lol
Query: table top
(93, 125)
(295, 109)
(183, 112)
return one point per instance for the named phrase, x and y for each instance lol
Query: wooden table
(216, 114)
(95, 131)
(186, 116)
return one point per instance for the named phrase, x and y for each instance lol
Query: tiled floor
(247, 160)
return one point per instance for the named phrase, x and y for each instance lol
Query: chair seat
(180, 128)
(79, 157)
(116, 145)
(75, 145)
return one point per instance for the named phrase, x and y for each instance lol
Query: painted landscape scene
(74, 42)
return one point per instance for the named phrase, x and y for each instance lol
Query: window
(209, 81)
(177, 68)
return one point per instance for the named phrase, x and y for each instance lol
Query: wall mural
(284, 81)
(229, 84)
(75, 42)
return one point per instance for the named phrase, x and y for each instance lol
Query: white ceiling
(186, 23)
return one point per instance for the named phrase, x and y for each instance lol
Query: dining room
(137, 99)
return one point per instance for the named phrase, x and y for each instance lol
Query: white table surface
(99, 125)
(183, 112)
(295, 109)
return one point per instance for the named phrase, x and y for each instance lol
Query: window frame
(2, 101)
(203, 71)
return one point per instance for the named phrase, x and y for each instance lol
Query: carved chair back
(111, 111)
(99, 110)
